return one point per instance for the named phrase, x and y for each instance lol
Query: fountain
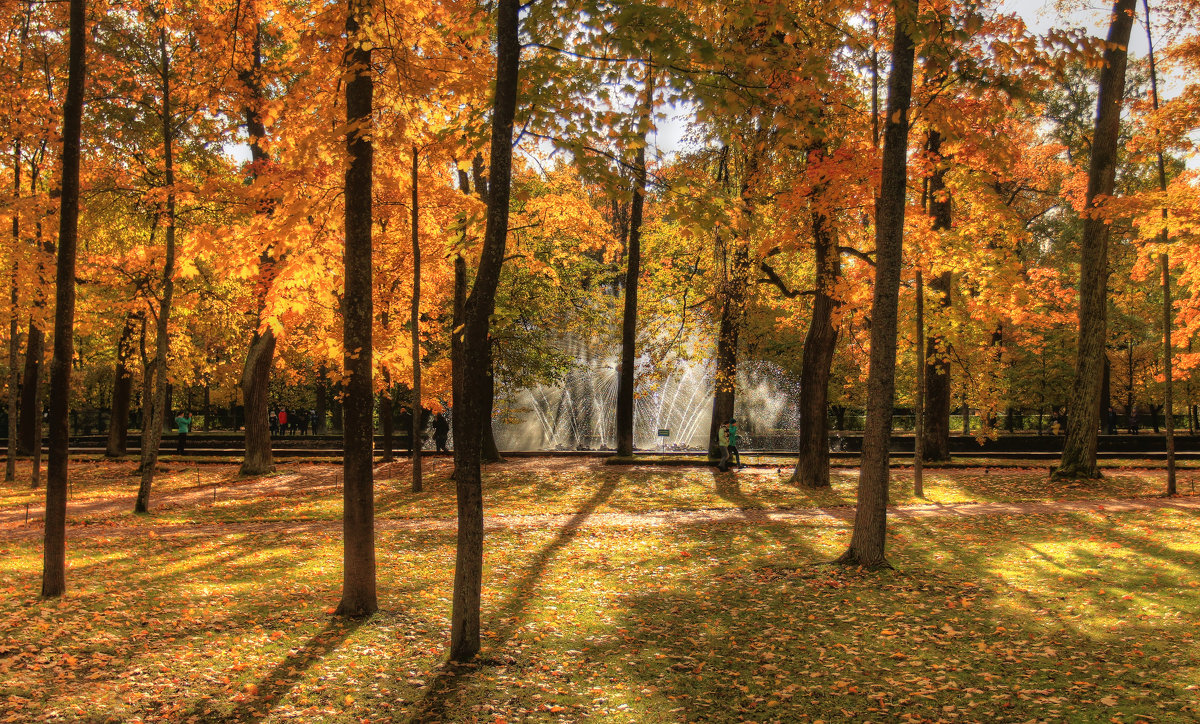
(579, 413)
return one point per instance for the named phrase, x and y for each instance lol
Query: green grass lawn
(1086, 617)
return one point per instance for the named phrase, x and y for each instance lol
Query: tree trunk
(118, 425)
(322, 400)
(152, 431)
(937, 380)
(31, 417)
(1083, 410)
(625, 379)
(937, 365)
(54, 559)
(358, 520)
(471, 348)
(415, 324)
(733, 301)
(919, 406)
(725, 378)
(14, 312)
(1164, 239)
(335, 408)
(386, 420)
(490, 451)
(820, 343)
(256, 379)
(870, 521)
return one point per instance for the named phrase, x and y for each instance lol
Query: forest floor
(610, 594)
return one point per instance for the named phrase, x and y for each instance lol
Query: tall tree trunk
(358, 521)
(725, 378)
(322, 394)
(54, 558)
(1164, 239)
(870, 521)
(14, 312)
(471, 347)
(937, 379)
(625, 379)
(919, 406)
(31, 417)
(387, 419)
(937, 366)
(490, 451)
(1083, 410)
(118, 424)
(820, 343)
(260, 357)
(152, 431)
(415, 323)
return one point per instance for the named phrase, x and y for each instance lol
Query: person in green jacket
(184, 424)
(733, 441)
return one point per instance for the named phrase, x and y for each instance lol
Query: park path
(581, 520)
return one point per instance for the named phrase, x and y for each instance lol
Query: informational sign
(664, 432)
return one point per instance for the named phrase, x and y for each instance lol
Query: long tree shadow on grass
(450, 678)
(279, 680)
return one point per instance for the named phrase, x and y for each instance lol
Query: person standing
(441, 428)
(273, 420)
(1112, 421)
(733, 442)
(723, 445)
(283, 421)
(1133, 421)
(183, 423)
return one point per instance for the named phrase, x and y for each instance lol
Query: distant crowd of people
(1111, 421)
(286, 421)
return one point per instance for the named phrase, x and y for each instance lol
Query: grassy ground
(1080, 618)
(533, 486)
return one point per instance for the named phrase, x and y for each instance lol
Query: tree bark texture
(1083, 410)
(870, 520)
(54, 557)
(820, 343)
(358, 437)
(118, 425)
(471, 348)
